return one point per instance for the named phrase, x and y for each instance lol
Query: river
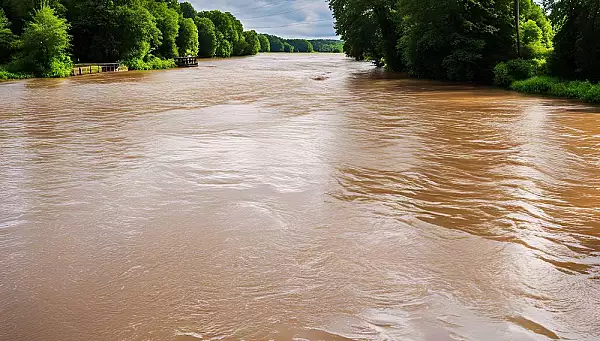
(306, 197)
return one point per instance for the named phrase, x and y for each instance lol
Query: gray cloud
(284, 18)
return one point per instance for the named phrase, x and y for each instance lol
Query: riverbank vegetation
(44, 38)
(554, 50)
(271, 43)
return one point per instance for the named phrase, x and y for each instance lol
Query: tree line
(45, 37)
(474, 40)
(278, 44)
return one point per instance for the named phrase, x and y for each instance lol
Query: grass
(544, 85)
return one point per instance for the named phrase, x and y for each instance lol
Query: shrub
(152, 63)
(592, 95)
(45, 44)
(4, 75)
(584, 91)
(534, 85)
(506, 73)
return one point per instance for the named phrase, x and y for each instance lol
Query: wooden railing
(90, 68)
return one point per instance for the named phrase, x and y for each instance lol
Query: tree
(370, 29)
(288, 47)
(576, 45)
(327, 45)
(45, 45)
(463, 41)
(252, 42)
(187, 41)
(275, 43)
(167, 21)
(265, 46)
(239, 46)
(301, 45)
(7, 39)
(137, 32)
(96, 32)
(207, 38)
(187, 10)
(224, 47)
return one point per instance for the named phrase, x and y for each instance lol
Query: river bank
(553, 87)
(546, 86)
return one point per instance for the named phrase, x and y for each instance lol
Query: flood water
(305, 197)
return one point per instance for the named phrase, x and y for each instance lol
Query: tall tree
(207, 37)
(137, 32)
(45, 45)
(576, 45)
(167, 21)
(187, 40)
(370, 29)
(7, 39)
(187, 10)
(252, 42)
(265, 46)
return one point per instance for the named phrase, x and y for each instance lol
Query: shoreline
(545, 86)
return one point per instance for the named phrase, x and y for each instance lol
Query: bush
(152, 63)
(543, 85)
(534, 85)
(506, 73)
(45, 45)
(4, 75)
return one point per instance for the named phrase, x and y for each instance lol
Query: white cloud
(285, 18)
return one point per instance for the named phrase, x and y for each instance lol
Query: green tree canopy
(207, 37)
(300, 45)
(265, 46)
(224, 47)
(45, 45)
(288, 47)
(370, 28)
(275, 43)
(167, 21)
(187, 41)
(187, 10)
(576, 45)
(7, 39)
(252, 42)
(137, 31)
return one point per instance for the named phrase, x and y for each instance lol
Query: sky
(285, 18)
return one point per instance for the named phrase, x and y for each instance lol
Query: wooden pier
(186, 61)
(88, 69)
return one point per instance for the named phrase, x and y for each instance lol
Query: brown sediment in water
(237, 203)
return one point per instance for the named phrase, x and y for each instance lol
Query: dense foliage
(44, 45)
(278, 44)
(7, 39)
(41, 37)
(577, 42)
(265, 46)
(544, 85)
(327, 45)
(187, 40)
(207, 37)
(442, 39)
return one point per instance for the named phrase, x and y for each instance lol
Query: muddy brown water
(305, 197)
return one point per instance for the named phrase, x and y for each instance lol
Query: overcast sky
(284, 18)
